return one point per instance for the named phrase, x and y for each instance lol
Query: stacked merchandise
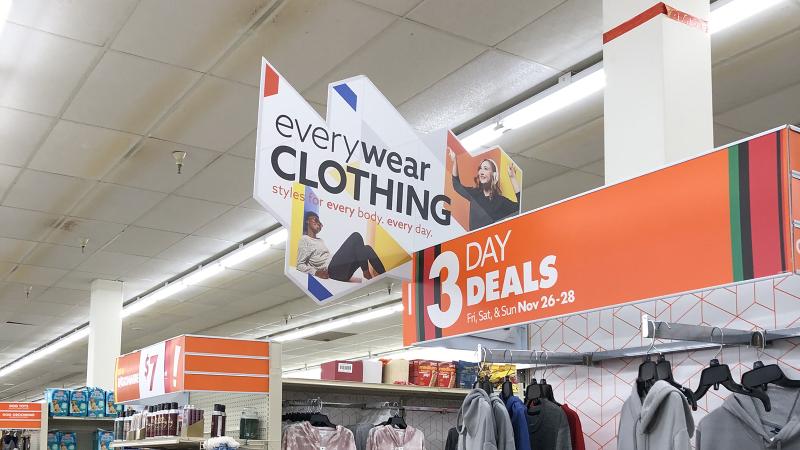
(62, 440)
(103, 439)
(84, 402)
(167, 420)
(423, 372)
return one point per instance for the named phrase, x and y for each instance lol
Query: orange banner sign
(20, 415)
(193, 363)
(713, 220)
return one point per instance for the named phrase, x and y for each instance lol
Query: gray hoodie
(476, 427)
(663, 421)
(742, 423)
(502, 424)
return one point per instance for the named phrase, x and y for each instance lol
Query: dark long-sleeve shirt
(484, 210)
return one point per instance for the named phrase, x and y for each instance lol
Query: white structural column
(105, 332)
(658, 105)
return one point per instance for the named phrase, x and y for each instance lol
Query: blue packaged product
(102, 439)
(57, 402)
(97, 402)
(78, 402)
(53, 438)
(112, 410)
(68, 441)
(466, 374)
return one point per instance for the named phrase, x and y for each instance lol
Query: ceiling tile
(220, 297)
(742, 79)
(402, 61)
(66, 296)
(536, 170)
(33, 85)
(597, 168)
(14, 250)
(46, 192)
(245, 148)
(220, 280)
(768, 112)
(20, 135)
(559, 188)
(56, 256)
(574, 148)
(724, 135)
(131, 287)
(155, 269)
(181, 214)
(73, 230)
(7, 176)
(256, 283)
(40, 276)
(81, 150)
(23, 224)
(215, 115)
(565, 36)
(775, 21)
(146, 89)
(152, 166)
(252, 203)
(188, 33)
(237, 224)
(92, 21)
(325, 33)
(396, 7)
(229, 180)
(144, 241)
(111, 263)
(115, 203)
(484, 83)
(485, 21)
(194, 249)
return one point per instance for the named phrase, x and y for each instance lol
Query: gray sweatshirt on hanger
(476, 427)
(742, 423)
(502, 424)
(662, 421)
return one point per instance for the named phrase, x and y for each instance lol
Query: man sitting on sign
(313, 256)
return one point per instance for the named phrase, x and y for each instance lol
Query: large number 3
(439, 318)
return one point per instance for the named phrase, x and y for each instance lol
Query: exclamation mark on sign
(175, 366)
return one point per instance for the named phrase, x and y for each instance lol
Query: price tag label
(151, 370)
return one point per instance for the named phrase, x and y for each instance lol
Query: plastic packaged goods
(53, 438)
(57, 402)
(78, 402)
(68, 440)
(96, 400)
(103, 439)
(112, 409)
(248, 424)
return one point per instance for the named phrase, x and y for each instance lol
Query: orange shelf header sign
(193, 363)
(20, 415)
(720, 218)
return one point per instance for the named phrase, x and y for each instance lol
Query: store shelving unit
(348, 387)
(83, 426)
(174, 443)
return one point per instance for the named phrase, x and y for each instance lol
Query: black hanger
(548, 391)
(717, 374)
(484, 383)
(507, 390)
(397, 421)
(647, 376)
(664, 373)
(762, 375)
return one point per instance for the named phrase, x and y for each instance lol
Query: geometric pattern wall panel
(598, 392)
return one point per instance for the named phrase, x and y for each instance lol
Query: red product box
(343, 370)
(446, 375)
(422, 372)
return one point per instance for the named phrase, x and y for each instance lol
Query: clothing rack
(687, 337)
(379, 405)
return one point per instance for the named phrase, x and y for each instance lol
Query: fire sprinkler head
(179, 156)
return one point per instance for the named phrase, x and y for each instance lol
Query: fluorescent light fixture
(211, 269)
(335, 324)
(560, 96)
(732, 12)
(45, 351)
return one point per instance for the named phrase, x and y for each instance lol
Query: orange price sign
(20, 415)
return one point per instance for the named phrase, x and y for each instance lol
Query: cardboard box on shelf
(373, 371)
(466, 374)
(422, 372)
(446, 375)
(343, 371)
(396, 371)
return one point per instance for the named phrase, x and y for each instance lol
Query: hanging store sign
(20, 415)
(363, 190)
(192, 363)
(710, 221)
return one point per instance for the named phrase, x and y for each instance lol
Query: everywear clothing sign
(713, 220)
(361, 191)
